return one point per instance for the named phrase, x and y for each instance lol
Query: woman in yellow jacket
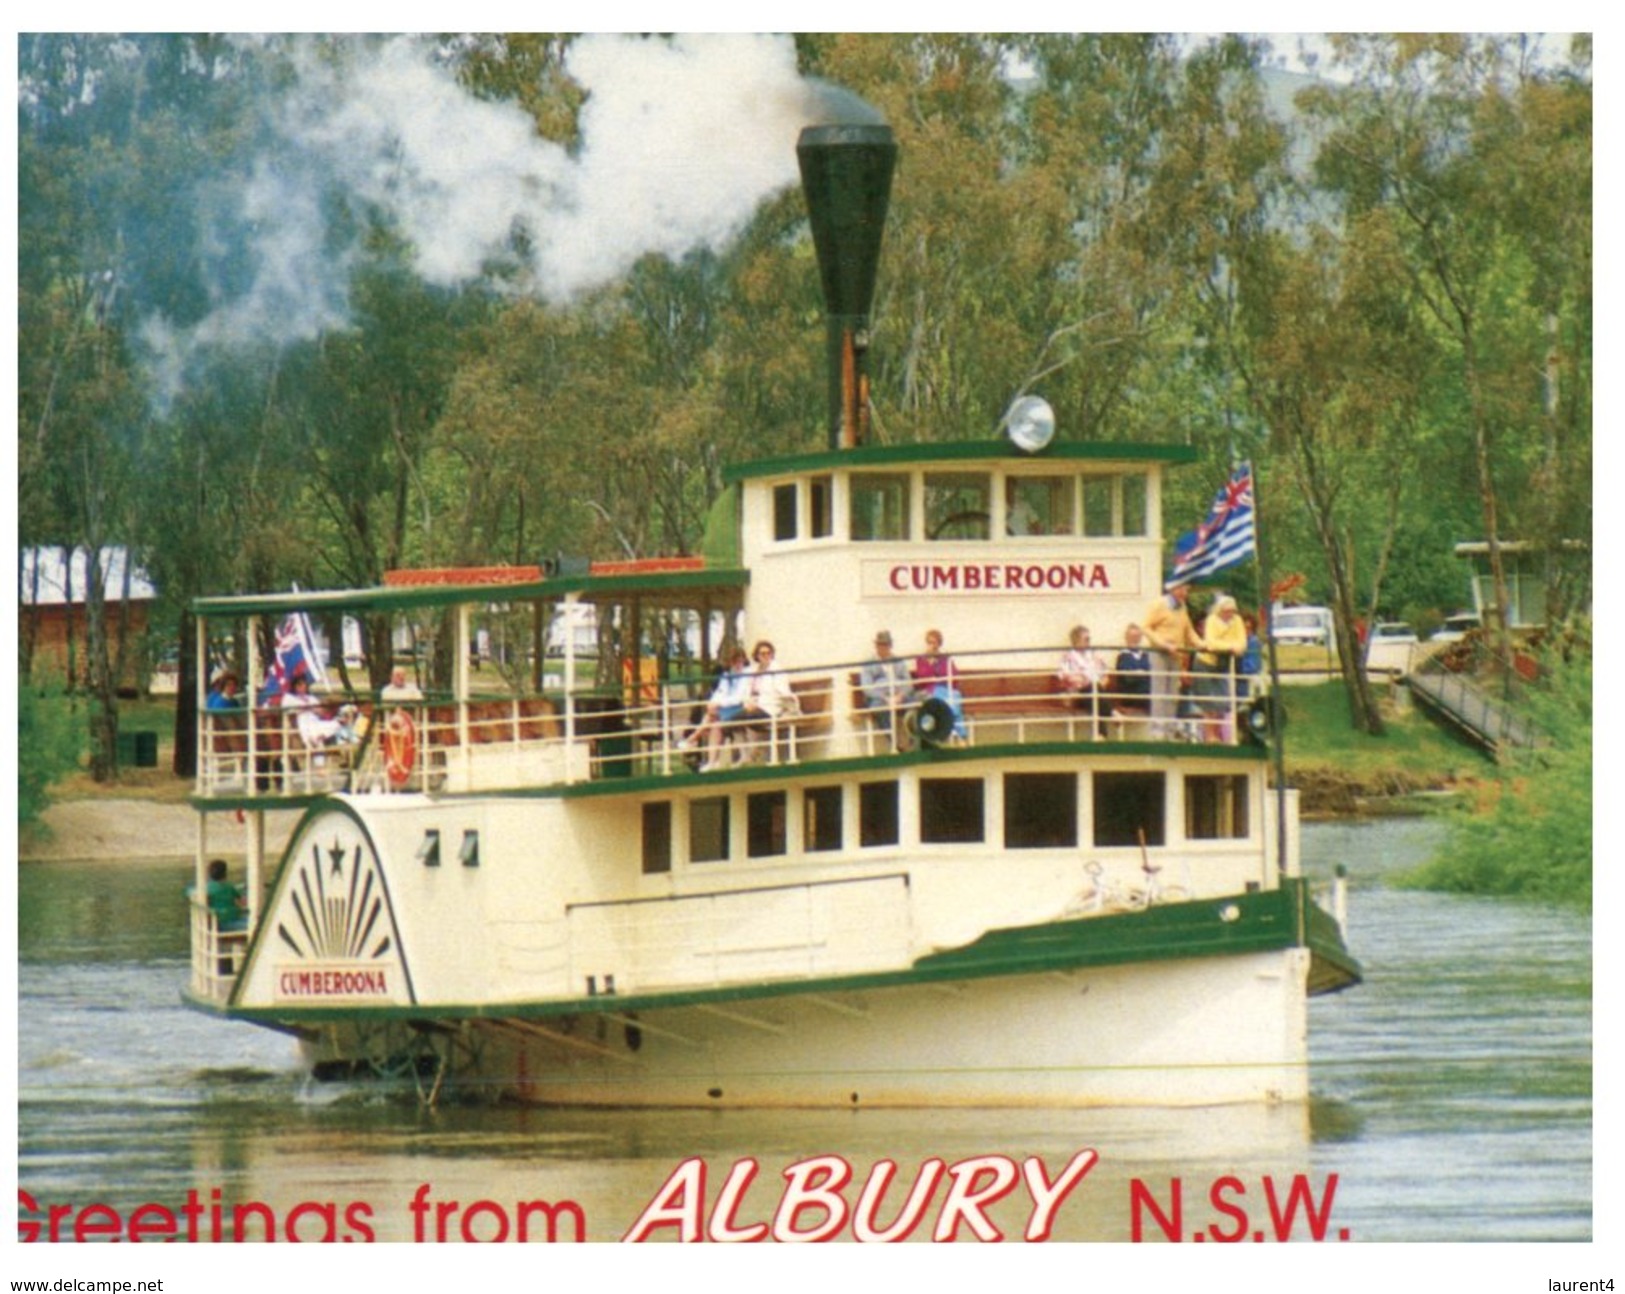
(1224, 640)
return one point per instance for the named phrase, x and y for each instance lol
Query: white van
(1305, 626)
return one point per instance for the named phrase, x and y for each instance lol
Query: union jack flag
(295, 654)
(1225, 538)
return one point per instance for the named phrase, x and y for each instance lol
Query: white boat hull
(1200, 1031)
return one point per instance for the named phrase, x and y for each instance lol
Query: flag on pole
(295, 654)
(1225, 538)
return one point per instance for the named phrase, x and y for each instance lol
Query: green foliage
(50, 740)
(1144, 232)
(1534, 840)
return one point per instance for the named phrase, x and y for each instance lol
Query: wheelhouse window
(1130, 809)
(1040, 811)
(1117, 505)
(821, 507)
(958, 505)
(877, 814)
(765, 824)
(708, 830)
(656, 838)
(1099, 499)
(880, 505)
(951, 811)
(1039, 505)
(821, 819)
(1136, 491)
(1216, 807)
(784, 512)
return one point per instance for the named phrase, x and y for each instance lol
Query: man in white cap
(886, 690)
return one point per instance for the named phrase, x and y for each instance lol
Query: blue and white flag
(1225, 538)
(295, 654)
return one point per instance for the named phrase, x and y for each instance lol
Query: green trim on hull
(1231, 925)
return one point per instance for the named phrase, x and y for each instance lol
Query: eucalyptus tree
(1481, 161)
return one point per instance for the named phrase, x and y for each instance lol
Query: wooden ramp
(1466, 705)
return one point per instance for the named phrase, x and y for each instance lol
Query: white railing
(217, 955)
(659, 728)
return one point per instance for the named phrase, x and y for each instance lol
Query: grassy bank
(1336, 767)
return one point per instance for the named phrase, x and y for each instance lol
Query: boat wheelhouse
(514, 874)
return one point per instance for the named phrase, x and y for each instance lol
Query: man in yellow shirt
(1170, 635)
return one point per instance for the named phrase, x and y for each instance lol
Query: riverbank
(101, 830)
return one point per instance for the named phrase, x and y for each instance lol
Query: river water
(1452, 1098)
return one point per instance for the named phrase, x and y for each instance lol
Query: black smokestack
(846, 175)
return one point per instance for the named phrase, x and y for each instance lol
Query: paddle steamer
(524, 883)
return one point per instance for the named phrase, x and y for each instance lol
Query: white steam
(681, 139)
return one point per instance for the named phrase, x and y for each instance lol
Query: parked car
(1388, 647)
(1306, 626)
(1455, 628)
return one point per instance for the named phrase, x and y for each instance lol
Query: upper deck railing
(658, 727)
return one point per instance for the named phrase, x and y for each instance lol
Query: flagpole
(1275, 707)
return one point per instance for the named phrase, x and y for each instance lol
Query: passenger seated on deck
(400, 689)
(1131, 680)
(935, 676)
(317, 723)
(887, 690)
(1083, 673)
(223, 693)
(768, 695)
(726, 705)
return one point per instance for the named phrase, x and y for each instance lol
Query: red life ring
(400, 744)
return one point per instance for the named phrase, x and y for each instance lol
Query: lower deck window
(1040, 811)
(656, 838)
(708, 830)
(821, 819)
(765, 824)
(1129, 809)
(951, 810)
(1216, 808)
(877, 813)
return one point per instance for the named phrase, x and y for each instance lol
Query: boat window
(656, 838)
(765, 824)
(1038, 505)
(1136, 507)
(820, 506)
(958, 505)
(1097, 505)
(1117, 505)
(708, 830)
(951, 810)
(1040, 811)
(1129, 809)
(821, 819)
(1216, 807)
(879, 505)
(784, 511)
(877, 813)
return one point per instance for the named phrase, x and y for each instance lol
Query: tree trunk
(184, 763)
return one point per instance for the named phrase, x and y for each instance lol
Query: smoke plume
(680, 140)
